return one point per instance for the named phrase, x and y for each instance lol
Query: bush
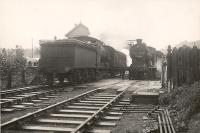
(183, 103)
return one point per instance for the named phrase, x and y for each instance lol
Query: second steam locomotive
(79, 59)
(144, 59)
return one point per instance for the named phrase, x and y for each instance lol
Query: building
(32, 62)
(78, 30)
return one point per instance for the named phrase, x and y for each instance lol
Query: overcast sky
(158, 22)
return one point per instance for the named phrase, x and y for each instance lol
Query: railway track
(165, 122)
(160, 114)
(93, 111)
(85, 112)
(18, 99)
(27, 97)
(12, 92)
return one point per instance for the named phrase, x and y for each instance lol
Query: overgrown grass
(184, 104)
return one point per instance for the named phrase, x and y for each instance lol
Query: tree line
(12, 67)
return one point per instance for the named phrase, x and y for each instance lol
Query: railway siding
(13, 99)
(108, 108)
(16, 110)
(93, 114)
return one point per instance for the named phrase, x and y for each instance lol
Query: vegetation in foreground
(13, 70)
(184, 106)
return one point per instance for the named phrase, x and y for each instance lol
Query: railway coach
(79, 59)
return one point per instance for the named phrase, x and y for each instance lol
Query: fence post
(174, 67)
(164, 73)
(169, 68)
(187, 63)
(198, 65)
(180, 66)
(195, 62)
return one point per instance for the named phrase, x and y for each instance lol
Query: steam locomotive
(79, 59)
(144, 59)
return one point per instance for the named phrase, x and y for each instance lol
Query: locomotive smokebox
(139, 41)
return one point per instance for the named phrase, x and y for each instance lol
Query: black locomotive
(144, 59)
(79, 59)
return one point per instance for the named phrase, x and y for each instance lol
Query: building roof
(80, 25)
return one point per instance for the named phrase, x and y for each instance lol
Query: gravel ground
(130, 123)
(68, 92)
(145, 86)
(133, 122)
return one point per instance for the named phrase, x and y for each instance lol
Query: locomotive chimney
(139, 41)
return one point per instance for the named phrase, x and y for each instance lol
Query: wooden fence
(183, 65)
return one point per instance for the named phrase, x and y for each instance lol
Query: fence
(183, 65)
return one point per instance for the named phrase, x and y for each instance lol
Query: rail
(17, 123)
(79, 128)
(38, 113)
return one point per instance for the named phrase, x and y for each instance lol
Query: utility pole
(32, 47)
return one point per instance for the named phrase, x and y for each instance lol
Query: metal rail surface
(23, 98)
(164, 121)
(86, 107)
(10, 99)
(11, 92)
(28, 97)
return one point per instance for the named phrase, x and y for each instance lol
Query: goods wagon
(79, 59)
(143, 61)
(65, 59)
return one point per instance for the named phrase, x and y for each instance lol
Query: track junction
(97, 110)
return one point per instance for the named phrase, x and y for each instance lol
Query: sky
(158, 22)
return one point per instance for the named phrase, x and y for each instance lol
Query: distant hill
(189, 44)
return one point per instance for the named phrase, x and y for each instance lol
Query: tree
(12, 62)
(20, 63)
(6, 61)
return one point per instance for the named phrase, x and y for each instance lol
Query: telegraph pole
(32, 47)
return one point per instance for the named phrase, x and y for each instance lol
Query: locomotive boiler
(79, 59)
(143, 61)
